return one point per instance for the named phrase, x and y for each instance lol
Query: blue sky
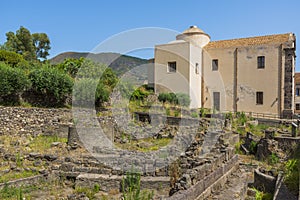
(79, 25)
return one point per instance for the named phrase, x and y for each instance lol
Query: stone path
(235, 187)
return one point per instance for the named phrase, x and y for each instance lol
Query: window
(259, 98)
(260, 62)
(172, 67)
(297, 91)
(297, 106)
(215, 65)
(197, 68)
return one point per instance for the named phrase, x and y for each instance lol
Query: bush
(13, 82)
(177, 99)
(292, 175)
(51, 83)
(12, 59)
(93, 90)
(71, 66)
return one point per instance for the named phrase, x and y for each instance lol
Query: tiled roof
(250, 41)
(297, 78)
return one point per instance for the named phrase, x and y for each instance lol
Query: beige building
(254, 74)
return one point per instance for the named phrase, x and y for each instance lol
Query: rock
(37, 163)
(43, 171)
(35, 155)
(55, 144)
(13, 166)
(50, 157)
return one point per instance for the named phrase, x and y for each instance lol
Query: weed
(131, 187)
(253, 147)
(194, 115)
(273, 159)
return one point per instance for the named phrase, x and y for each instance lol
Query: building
(297, 93)
(254, 74)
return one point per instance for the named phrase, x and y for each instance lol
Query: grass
(154, 144)
(43, 143)
(16, 175)
(261, 195)
(19, 193)
(90, 193)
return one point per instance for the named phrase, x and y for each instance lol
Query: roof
(297, 78)
(192, 30)
(251, 41)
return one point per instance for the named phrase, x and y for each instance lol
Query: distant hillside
(119, 63)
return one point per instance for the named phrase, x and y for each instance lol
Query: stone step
(113, 182)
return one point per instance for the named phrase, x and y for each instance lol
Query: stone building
(297, 93)
(254, 74)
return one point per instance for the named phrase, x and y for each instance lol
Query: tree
(31, 46)
(42, 45)
(13, 59)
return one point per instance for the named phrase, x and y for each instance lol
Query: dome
(194, 35)
(193, 30)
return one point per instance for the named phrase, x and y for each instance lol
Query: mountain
(119, 63)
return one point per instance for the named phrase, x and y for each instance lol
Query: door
(216, 96)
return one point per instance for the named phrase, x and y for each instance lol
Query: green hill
(119, 63)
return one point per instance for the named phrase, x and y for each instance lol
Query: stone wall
(208, 182)
(109, 183)
(19, 120)
(287, 143)
(264, 182)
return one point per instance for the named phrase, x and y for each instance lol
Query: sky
(80, 25)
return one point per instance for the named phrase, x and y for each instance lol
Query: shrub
(131, 187)
(71, 66)
(273, 159)
(12, 59)
(253, 147)
(13, 82)
(292, 175)
(51, 83)
(93, 90)
(177, 99)
(183, 99)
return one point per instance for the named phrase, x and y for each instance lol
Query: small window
(172, 67)
(215, 65)
(197, 68)
(297, 91)
(297, 106)
(260, 62)
(259, 98)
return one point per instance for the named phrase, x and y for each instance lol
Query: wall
(18, 120)
(249, 79)
(219, 81)
(178, 81)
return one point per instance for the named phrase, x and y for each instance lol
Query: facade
(297, 93)
(254, 74)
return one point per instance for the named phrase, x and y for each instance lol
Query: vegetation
(292, 175)
(52, 84)
(30, 46)
(13, 59)
(131, 187)
(43, 143)
(13, 82)
(177, 99)
(13, 192)
(90, 193)
(261, 195)
(152, 144)
(16, 175)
